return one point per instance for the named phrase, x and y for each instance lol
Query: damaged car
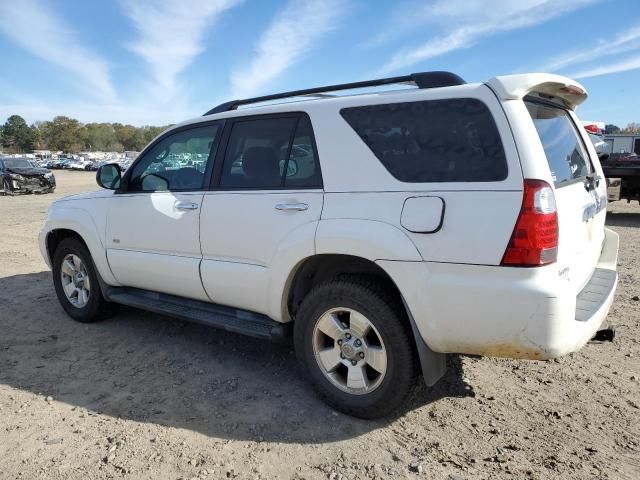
(18, 175)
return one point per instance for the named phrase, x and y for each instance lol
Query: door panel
(241, 233)
(153, 232)
(149, 271)
(153, 244)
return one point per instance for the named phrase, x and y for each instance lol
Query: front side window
(267, 153)
(567, 157)
(177, 162)
(451, 140)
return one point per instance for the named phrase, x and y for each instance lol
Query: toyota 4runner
(382, 230)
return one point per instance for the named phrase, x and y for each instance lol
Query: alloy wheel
(349, 351)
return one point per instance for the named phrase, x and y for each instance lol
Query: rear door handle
(186, 206)
(296, 207)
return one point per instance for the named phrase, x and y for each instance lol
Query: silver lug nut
(358, 343)
(348, 336)
(361, 354)
(353, 362)
(339, 342)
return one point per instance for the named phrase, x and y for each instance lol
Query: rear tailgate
(579, 189)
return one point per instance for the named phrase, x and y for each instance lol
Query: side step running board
(218, 316)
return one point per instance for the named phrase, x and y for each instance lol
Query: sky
(154, 62)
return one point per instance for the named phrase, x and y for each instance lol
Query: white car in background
(385, 229)
(596, 135)
(79, 164)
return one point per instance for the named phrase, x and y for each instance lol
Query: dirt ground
(143, 396)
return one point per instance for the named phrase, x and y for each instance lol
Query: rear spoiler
(516, 87)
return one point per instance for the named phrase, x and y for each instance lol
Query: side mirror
(109, 176)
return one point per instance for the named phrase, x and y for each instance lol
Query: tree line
(70, 136)
(633, 127)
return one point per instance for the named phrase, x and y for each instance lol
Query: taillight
(534, 240)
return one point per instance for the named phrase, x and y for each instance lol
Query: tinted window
(176, 162)
(433, 141)
(303, 169)
(565, 152)
(270, 153)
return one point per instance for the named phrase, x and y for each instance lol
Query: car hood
(102, 193)
(27, 171)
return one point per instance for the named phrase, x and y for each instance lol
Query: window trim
(465, 182)
(124, 188)
(550, 104)
(216, 178)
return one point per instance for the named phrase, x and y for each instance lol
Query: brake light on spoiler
(534, 241)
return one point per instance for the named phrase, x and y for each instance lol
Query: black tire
(376, 301)
(96, 308)
(6, 187)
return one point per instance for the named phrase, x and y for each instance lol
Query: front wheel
(76, 283)
(7, 189)
(354, 339)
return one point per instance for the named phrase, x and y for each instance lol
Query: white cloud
(463, 23)
(39, 30)
(171, 35)
(629, 40)
(290, 35)
(632, 63)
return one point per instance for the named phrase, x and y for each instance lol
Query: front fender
(81, 222)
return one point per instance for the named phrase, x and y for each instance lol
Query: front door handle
(186, 206)
(296, 207)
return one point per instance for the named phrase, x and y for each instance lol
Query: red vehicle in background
(622, 170)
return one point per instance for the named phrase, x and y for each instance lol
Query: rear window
(453, 140)
(566, 154)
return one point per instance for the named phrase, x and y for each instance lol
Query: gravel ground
(143, 396)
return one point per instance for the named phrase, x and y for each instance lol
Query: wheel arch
(322, 267)
(76, 223)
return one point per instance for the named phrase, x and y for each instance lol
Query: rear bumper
(506, 312)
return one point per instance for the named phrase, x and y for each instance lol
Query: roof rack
(421, 80)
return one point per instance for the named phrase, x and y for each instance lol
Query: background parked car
(18, 175)
(596, 135)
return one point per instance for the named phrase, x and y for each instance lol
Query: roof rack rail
(421, 80)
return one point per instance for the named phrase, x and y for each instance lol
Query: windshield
(567, 157)
(17, 163)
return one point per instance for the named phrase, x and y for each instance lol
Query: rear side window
(453, 140)
(566, 154)
(268, 153)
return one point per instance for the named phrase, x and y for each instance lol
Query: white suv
(383, 230)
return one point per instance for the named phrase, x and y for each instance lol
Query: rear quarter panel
(479, 216)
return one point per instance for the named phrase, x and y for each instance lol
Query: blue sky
(162, 61)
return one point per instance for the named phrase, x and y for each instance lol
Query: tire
(6, 187)
(386, 315)
(91, 308)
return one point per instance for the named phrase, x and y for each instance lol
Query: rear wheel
(76, 283)
(354, 340)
